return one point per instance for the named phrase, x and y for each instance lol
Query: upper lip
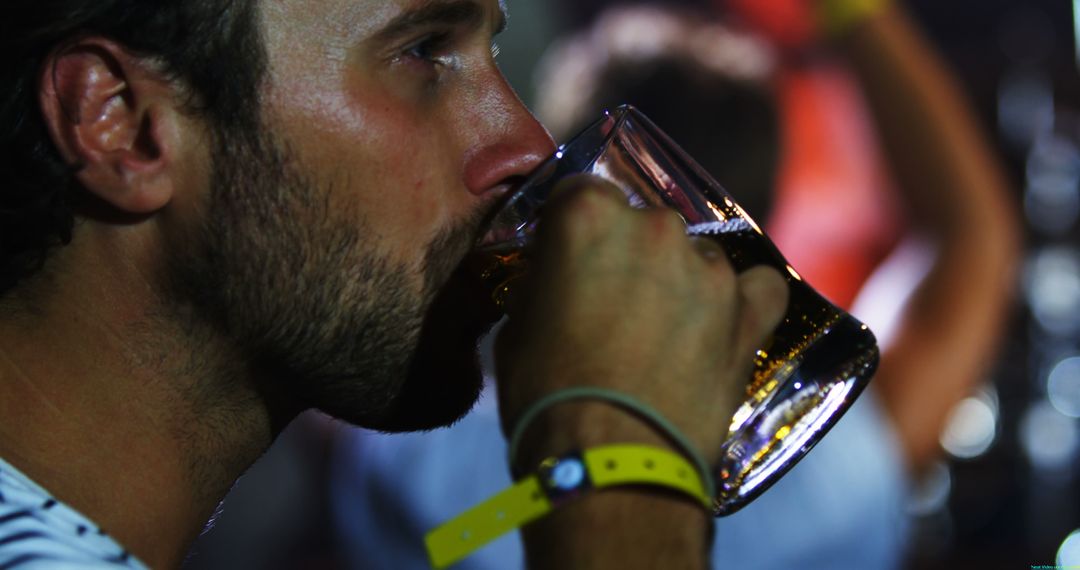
(495, 199)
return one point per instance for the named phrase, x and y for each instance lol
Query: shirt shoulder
(38, 531)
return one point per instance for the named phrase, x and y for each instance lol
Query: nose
(510, 144)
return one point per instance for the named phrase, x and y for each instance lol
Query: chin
(436, 394)
(443, 380)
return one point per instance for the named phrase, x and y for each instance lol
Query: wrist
(637, 479)
(581, 425)
(594, 532)
(586, 424)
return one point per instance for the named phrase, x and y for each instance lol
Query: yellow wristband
(839, 16)
(559, 480)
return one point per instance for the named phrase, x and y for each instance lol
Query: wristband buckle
(564, 478)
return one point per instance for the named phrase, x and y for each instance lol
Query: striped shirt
(39, 532)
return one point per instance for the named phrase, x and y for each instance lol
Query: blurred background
(1009, 494)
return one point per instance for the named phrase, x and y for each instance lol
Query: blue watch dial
(564, 477)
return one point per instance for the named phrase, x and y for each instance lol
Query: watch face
(567, 475)
(564, 478)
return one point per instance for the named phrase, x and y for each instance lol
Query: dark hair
(706, 85)
(729, 126)
(211, 47)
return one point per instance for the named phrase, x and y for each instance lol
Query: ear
(115, 118)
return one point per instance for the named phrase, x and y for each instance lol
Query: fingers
(764, 296)
(585, 208)
(709, 249)
(584, 201)
(580, 210)
(586, 187)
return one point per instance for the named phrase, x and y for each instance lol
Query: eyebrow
(440, 12)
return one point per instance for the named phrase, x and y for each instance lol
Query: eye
(430, 49)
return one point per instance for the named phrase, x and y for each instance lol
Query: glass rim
(610, 119)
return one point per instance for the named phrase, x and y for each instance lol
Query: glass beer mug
(817, 362)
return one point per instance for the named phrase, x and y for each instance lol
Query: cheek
(381, 157)
(398, 176)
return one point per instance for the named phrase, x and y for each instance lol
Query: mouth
(496, 201)
(449, 262)
(517, 202)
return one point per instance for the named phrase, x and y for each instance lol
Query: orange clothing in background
(836, 216)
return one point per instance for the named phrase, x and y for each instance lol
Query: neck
(125, 408)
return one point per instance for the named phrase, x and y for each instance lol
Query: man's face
(387, 132)
(399, 105)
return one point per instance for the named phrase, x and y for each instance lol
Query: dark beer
(803, 374)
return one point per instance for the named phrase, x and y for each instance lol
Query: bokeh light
(1049, 438)
(972, 426)
(1069, 553)
(1063, 387)
(1025, 107)
(1052, 196)
(1052, 282)
(931, 493)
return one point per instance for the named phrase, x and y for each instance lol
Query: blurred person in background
(937, 303)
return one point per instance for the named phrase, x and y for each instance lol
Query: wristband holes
(649, 464)
(500, 515)
(682, 473)
(611, 465)
(535, 496)
(466, 535)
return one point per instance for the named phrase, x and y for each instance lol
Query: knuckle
(588, 210)
(723, 273)
(664, 226)
(765, 282)
(592, 201)
(721, 287)
(583, 214)
(766, 295)
(584, 191)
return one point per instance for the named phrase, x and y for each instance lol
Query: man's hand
(622, 299)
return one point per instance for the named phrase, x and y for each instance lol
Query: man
(262, 206)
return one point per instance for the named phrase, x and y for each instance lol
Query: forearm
(950, 179)
(956, 196)
(623, 529)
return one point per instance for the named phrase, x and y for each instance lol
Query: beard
(320, 318)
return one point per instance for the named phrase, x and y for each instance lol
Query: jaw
(444, 380)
